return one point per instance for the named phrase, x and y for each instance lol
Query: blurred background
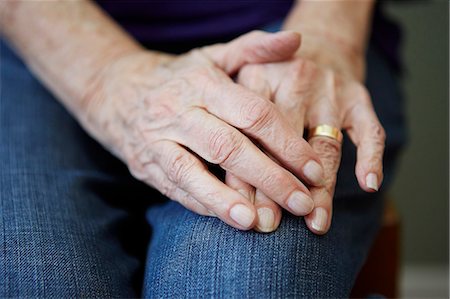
(421, 188)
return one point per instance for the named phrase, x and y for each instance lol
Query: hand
(164, 120)
(319, 87)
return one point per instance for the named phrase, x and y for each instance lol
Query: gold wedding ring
(326, 131)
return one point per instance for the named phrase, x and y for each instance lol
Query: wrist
(334, 33)
(332, 51)
(347, 23)
(342, 42)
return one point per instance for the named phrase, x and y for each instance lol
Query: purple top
(178, 25)
(170, 21)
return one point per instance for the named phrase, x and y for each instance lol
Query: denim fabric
(72, 220)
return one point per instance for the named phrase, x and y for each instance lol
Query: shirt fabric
(177, 26)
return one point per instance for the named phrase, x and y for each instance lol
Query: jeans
(74, 223)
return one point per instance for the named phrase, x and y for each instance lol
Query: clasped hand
(164, 119)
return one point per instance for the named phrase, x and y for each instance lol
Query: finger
(260, 119)
(189, 174)
(329, 151)
(368, 135)
(269, 213)
(254, 47)
(247, 190)
(224, 145)
(153, 175)
(189, 202)
(319, 220)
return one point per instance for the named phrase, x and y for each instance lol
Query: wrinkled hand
(164, 120)
(310, 90)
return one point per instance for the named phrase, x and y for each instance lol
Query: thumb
(254, 47)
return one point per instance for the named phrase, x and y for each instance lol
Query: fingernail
(266, 220)
(242, 215)
(313, 172)
(300, 203)
(319, 222)
(372, 181)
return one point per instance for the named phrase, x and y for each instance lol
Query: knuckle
(224, 145)
(326, 147)
(137, 171)
(294, 149)
(255, 114)
(179, 167)
(377, 134)
(329, 151)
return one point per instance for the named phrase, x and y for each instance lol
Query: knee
(204, 256)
